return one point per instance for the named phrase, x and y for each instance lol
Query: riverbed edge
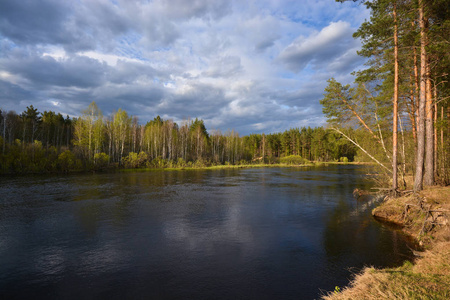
(428, 277)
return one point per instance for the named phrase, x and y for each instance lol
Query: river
(269, 233)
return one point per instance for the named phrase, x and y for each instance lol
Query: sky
(250, 66)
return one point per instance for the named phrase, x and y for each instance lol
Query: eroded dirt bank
(425, 216)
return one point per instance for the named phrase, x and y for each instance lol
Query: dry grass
(437, 194)
(429, 276)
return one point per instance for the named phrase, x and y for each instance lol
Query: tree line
(402, 99)
(46, 142)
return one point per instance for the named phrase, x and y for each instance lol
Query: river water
(272, 233)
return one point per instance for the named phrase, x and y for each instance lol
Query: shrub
(66, 161)
(159, 162)
(181, 163)
(293, 160)
(101, 160)
(131, 160)
(343, 159)
(200, 163)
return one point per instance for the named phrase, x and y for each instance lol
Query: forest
(35, 142)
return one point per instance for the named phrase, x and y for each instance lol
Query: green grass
(242, 166)
(219, 167)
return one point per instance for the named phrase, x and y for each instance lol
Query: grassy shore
(218, 167)
(244, 166)
(425, 216)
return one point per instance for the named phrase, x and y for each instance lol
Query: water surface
(276, 233)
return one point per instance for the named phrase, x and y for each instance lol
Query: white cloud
(320, 48)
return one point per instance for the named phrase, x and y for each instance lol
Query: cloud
(209, 9)
(251, 66)
(12, 93)
(84, 25)
(193, 100)
(127, 72)
(224, 67)
(39, 71)
(32, 22)
(262, 31)
(320, 48)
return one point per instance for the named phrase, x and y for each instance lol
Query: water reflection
(248, 233)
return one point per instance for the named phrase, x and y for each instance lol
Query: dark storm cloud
(33, 22)
(78, 71)
(11, 93)
(77, 26)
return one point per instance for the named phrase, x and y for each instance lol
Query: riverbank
(175, 167)
(242, 166)
(425, 216)
(217, 167)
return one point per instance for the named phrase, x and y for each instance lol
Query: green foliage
(135, 160)
(158, 162)
(88, 131)
(200, 163)
(181, 163)
(66, 161)
(101, 160)
(293, 160)
(343, 159)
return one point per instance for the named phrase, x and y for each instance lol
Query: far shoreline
(244, 166)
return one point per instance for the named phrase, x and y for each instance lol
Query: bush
(101, 160)
(159, 162)
(131, 161)
(343, 159)
(293, 160)
(242, 162)
(66, 161)
(181, 163)
(200, 163)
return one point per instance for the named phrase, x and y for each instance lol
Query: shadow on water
(283, 233)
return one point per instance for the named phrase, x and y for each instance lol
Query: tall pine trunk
(420, 155)
(412, 111)
(429, 159)
(435, 134)
(395, 117)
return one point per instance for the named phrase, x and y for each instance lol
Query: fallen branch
(357, 145)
